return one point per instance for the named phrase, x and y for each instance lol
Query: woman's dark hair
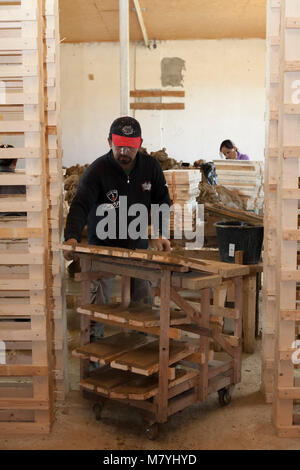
(228, 144)
(5, 162)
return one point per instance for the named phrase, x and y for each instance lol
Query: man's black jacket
(103, 183)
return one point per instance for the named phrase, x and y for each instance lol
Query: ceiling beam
(141, 21)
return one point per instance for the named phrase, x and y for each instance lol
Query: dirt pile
(220, 195)
(163, 159)
(72, 178)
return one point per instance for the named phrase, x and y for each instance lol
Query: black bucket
(239, 236)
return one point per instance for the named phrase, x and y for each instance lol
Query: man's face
(124, 156)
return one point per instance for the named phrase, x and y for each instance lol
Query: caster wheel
(224, 396)
(152, 432)
(97, 409)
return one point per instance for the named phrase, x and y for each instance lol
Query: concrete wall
(224, 81)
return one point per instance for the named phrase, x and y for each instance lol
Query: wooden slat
(22, 404)
(18, 71)
(23, 371)
(19, 153)
(157, 106)
(19, 99)
(19, 14)
(18, 204)
(290, 315)
(289, 393)
(19, 233)
(292, 23)
(19, 127)
(150, 93)
(18, 44)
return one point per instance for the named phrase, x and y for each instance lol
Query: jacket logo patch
(147, 186)
(113, 195)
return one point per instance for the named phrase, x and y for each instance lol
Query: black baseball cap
(126, 132)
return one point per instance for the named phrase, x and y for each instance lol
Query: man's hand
(160, 244)
(69, 255)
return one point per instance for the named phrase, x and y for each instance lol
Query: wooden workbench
(165, 370)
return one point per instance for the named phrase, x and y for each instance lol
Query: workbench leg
(164, 347)
(219, 300)
(85, 322)
(249, 313)
(204, 345)
(238, 328)
(126, 293)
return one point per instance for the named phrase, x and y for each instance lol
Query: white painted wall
(224, 83)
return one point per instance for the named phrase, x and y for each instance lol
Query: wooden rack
(165, 370)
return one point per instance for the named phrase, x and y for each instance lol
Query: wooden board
(108, 349)
(145, 360)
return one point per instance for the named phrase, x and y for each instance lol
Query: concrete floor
(244, 424)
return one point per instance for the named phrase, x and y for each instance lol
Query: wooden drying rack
(166, 372)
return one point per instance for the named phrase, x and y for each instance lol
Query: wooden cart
(166, 369)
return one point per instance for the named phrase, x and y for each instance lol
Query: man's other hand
(160, 244)
(69, 255)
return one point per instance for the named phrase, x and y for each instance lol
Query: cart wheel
(224, 396)
(152, 432)
(97, 409)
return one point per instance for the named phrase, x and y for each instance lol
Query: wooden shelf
(139, 315)
(126, 385)
(132, 352)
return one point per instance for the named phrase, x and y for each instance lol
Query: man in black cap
(123, 172)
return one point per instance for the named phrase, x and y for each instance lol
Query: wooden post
(164, 347)
(287, 220)
(238, 326)
(204, 345)
(85, 322)
(271, 180)
(126, 294)
(249, 313)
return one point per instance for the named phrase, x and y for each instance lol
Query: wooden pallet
(286, 391)
(271, 181)
(27, 263)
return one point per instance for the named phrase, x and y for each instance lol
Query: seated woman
(230, 151)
